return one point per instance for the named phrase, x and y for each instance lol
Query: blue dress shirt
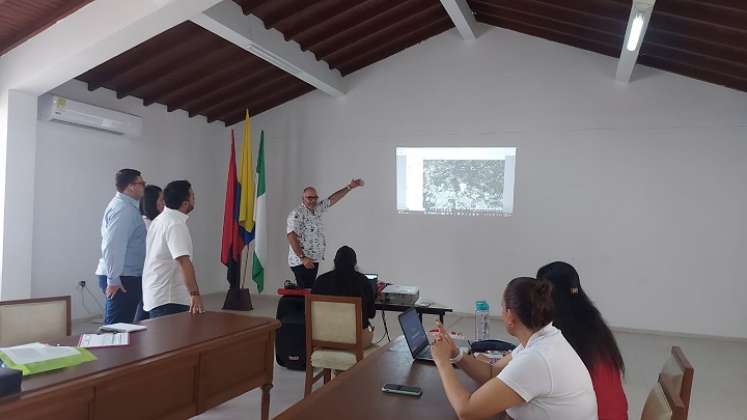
(122, 240)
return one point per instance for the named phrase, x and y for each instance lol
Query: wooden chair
(28, 320)
(670, 398)
(334, 327)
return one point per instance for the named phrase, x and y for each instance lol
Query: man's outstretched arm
(334, 198)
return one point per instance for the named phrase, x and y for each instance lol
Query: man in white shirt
(169, 283)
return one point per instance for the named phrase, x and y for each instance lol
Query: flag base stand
(238, 300)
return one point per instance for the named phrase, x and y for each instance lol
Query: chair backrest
(670, 398)
(334, 322)
(657, 406)
(676, 379)
(29, 320)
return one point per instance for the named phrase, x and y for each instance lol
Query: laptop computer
(417, 339)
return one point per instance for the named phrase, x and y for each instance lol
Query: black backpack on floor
(290, 340)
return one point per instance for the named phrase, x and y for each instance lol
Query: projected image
(452, 185)
(456, 180)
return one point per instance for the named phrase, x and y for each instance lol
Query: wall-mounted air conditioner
(57, 108)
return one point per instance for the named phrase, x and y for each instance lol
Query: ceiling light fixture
(635, 32)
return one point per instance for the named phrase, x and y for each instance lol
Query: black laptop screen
(413, 331)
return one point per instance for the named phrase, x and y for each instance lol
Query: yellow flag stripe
(246, 179)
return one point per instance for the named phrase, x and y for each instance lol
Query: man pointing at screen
(306, 233)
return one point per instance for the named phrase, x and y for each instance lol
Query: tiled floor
(719, 389)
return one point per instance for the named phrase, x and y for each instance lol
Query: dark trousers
(305, 276)
(167, 309)
(123, 306)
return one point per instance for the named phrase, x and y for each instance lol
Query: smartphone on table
(412, 391)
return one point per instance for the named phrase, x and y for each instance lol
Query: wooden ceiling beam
(664, 46)
(142, 55)
(699, 73)
(358, 41)
(606, 20)
(609, 46)
(320, 15)
(180, 95)
(608, 23)
(396, 44)
(267, 87)
(603, 9)
(706, 6)
(168, 61)
(702, 61)
(41, 23)
(200, 67)
(271, 20)
(353, 18)
(245, 81)
(248, 32)
(733, 53)
(247, 6)
(594, 32)
(267, 103)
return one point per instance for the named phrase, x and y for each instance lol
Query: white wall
(641, 187)
(3, 166)
(18, 145)
(75, 180)
(93, 34)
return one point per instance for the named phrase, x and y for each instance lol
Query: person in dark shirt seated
(345, 280)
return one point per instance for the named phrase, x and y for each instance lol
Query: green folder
(47, 365)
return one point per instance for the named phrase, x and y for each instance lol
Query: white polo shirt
(551, 378)
(163, 280)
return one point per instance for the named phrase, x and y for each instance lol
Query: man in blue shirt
(120, 268)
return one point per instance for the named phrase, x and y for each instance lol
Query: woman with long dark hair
(151, 205)
(542, 379)
(583, 326)
(345, 280)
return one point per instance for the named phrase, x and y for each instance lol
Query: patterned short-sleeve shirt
(308, 226)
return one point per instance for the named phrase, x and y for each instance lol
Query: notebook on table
(122, 327)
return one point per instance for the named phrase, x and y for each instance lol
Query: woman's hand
(441, 350)
(447, 338)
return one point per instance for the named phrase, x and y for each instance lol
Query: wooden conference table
(179, 367)
(356, 394)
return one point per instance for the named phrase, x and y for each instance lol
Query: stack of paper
(37, 352)
(37, 357)
(90, 341)
(122, 327)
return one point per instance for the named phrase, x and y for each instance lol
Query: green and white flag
(260, 221)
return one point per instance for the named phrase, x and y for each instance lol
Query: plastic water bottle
(482, 326)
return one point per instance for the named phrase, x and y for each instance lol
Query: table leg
(386, 330)
(266, 401)
(420, 316)
(441, 317)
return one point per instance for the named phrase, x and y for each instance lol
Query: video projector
(395, 294)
